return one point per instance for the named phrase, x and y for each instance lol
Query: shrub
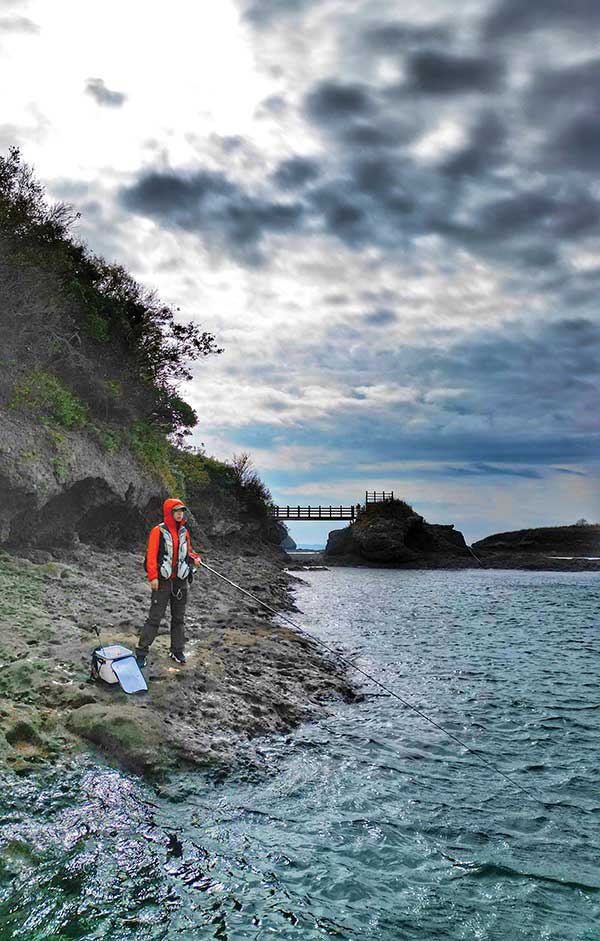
(114, 387)
(106, 305)
(149, 445)
(250, 488)
(110, 439)
(200, 472)
(45, 394)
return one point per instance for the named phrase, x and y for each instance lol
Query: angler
(170, 563)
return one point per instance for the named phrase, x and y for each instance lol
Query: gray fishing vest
(166, 562)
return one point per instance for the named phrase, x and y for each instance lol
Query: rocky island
(392, 533)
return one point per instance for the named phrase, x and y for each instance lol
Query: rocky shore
(246, 676)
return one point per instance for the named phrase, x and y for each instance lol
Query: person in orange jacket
(169, 562)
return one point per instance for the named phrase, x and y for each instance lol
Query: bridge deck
(314, 512)
(329, 512)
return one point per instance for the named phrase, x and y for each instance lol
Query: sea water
(369, 823)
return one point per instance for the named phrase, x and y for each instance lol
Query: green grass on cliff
(47, 396)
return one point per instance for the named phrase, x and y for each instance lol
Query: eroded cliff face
(57, 487)
(392, 533)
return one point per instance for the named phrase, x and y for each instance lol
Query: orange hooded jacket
(156, 536)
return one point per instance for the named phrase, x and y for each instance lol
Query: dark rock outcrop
(392, 533)
(578, 540)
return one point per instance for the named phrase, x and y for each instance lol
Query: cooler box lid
(129, 675)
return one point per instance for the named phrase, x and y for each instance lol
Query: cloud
(262, 13)
(577, 144)
(295, 172)
(485, 151)
(570, 472)
(380, 318)
(334, 101)
(491, 470)
(512, 17)
(103, 96)
(218, 210)
(393, 37)
(17, 24)
(439, 73)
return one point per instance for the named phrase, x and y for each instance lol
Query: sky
(387, 213)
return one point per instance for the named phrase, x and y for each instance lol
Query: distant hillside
(579, 540)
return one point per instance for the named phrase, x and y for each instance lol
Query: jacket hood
(168, 507)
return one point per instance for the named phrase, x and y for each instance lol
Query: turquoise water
(370, 823)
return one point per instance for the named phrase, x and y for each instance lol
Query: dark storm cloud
(561, 93)
(18, 24)
(295, 172)
(565, 102)
(577, 144)
(103, 96)
(439, 73)
(333, 101)
(365, 136)
(511, 18)
(375, 175)
(564, 214)
(392, 38)
(213, 207)
(341, 215)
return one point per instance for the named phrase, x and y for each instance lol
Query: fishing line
(477, 559)
(389, 691)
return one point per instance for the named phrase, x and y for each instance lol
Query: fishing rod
(382, 686)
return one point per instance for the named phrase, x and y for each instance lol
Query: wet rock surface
(246, 676)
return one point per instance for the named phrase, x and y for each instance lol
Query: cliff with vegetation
(92, 428)
(92, 438)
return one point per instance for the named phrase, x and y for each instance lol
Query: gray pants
(173, 591)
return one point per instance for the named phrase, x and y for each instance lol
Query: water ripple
(369, 824)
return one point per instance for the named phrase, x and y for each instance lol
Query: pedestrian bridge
(331, 512)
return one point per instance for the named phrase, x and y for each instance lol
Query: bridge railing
(314, 512)
(375, 497)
